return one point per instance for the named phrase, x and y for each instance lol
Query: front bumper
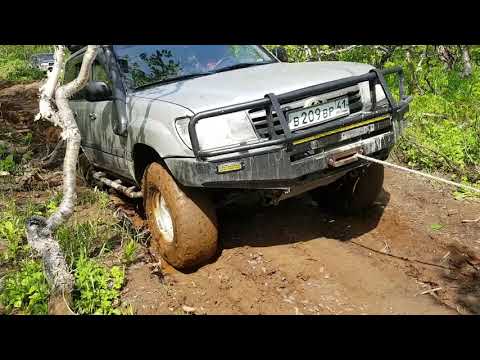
(284, 161)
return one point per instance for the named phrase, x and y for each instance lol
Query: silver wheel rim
(163, 218)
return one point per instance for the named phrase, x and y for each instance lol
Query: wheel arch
(142, 156)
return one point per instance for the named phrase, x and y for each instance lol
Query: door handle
(92, 116)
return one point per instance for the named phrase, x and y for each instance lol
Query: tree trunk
(446, 57)
(54, 107)
(467, 64)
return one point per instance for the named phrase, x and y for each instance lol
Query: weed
(94, 196)
(97, 289)
(130, 249)
(77, 239)
(436, 227)
(8, 164)
(27, 139)
(12, 231)
(52, 204)
(26, 291)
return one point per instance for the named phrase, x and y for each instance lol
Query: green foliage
(8, 164)
(436, 227)
(97, 289)
(53, 203)
(25, 291)
(12, 232)
(130, 249)
(27, 139)
(15, 62)
(77, 239)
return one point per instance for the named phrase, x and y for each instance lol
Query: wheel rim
(163, 218)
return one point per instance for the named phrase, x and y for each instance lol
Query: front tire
(182, 222)
(352, 194)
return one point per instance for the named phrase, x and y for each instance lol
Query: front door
(107, 148)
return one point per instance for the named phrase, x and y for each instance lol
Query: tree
(54, 107)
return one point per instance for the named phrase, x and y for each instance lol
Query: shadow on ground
(294, 220)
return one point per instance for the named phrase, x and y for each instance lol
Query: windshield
(143, 65)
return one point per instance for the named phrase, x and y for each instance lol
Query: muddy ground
(411, 254)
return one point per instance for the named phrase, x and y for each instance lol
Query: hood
(241, 85)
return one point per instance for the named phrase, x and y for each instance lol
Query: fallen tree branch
(54, 107)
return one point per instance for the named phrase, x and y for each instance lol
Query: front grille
(259, 118)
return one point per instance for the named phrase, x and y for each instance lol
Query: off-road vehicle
(42, 62)
(196, 127)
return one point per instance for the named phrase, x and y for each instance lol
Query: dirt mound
(18, 107)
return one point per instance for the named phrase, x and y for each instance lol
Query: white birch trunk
(54, 107)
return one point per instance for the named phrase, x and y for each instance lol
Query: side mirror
(281, 53)
(98, 91)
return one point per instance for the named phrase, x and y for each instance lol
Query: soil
(410, 254)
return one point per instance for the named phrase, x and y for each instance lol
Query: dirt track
(298, 259)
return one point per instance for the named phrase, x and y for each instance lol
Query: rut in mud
(297, 258)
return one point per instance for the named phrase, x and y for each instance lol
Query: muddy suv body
(235, 126)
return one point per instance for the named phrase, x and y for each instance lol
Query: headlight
(379, 93)
(365, 93)
(219, 131)
(182, 129)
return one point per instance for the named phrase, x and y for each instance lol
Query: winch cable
(401, 168)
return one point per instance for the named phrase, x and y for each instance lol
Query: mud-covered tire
(189, 238)
(352, 195)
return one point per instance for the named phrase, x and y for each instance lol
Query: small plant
(53, 203)
(130, 249)
(27, 139)
(436, 227)
(97, 289)
(25, 291)
(8, 164)
(12, 232)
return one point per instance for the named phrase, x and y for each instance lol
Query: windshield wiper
(241, 66)
(169, 80)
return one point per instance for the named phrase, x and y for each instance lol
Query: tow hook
(344, 157)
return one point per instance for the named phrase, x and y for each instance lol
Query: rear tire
(352, 194)
(182, 222)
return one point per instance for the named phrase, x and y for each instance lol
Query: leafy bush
(8, 164)
(25, 291)
(15, 62)
(97, 289)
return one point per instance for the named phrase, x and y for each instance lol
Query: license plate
(314, 115)
(357, 132)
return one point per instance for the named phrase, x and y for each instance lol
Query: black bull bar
(272, 103)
